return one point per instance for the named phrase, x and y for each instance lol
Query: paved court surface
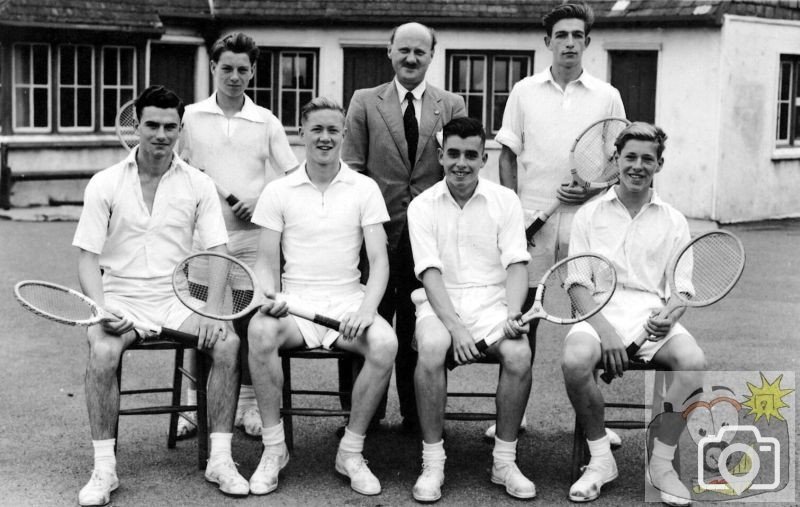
(46, 448)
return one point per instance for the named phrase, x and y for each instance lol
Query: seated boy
(639, 233)
(318, 216)
(470, 253)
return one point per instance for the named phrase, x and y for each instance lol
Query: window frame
(489, 94)
(31, 86)
(117, 86)
(792, 139)
(75, 86)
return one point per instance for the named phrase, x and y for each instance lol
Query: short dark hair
(158, 96)
(430, 31)
(642, 131)
(568, 11)
(235, 42)
(464, 127)
(319, 104)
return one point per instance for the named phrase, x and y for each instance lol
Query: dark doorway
(365, 68)
(633, 73)
(173, 66)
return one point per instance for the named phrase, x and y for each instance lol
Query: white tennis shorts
(333, 302)
(481, 309)
(150, 300)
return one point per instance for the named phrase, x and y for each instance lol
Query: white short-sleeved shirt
(639, 248)
(133, 242)
(541, 122)
(471, 246)
(321, 232)
(242, 154)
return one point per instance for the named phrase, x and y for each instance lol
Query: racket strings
(709, 268)
(126, 125)
(55, 303)
(203, 275)
(578, 288)
(594, 151)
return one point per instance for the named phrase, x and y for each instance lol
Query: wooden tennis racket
(700, 274)
(556, 297)
(67, 306)
(592, 163)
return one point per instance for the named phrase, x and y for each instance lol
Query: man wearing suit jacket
(393, 140)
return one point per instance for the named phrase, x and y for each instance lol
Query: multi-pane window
(285, 80)
(788, 131)
(75, 87)
(484, 79)
(31, 82)
(118, 84)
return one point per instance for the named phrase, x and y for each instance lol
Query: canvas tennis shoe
(265, 478)
(354, 466)
(187, 426)
(98, 490)
(428, 487)
(663, 477)
(517, 485)
(250, 420)
(223, 471)
(599, 471)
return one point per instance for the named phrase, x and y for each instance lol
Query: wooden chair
(174, 407)
(580, 449)
(289, 410)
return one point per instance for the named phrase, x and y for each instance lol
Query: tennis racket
(67, 306)
(700, 274)
(195, 275)
(592, 163)
(570, 291)
(125, 126)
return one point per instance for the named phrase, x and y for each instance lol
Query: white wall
(755, 180)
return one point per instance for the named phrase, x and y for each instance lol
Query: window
(484, 80)
(31, 82)
(296, 83)
(118, 81)
(788, 131)
(75, 87)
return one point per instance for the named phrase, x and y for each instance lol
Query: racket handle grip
(534, 227)
(179, 336)
(327, 322)
(481, 345)
(631, 351)
(231, 199)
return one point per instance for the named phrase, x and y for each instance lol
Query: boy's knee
(262, 335)
(516, 356)
(432, 348)
(382, 343)
(577, 360)
(104, 351)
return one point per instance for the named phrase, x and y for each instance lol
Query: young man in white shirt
(468, 241)
(639, 233)
(324, 206)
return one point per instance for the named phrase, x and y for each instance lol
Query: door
(365, 68)
(633, 73)
(173, 66)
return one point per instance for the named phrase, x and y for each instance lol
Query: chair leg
(202, 410)
(177, 384)
(288, 428)
(119, 389)
(579, 452)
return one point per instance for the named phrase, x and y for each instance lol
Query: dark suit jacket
(375, 144)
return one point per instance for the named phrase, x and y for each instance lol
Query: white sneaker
(98, 490)
(187, 426)
(249, 418)
(517, 485)
(265, 478)
(428, 487)
(491, 431)
(596, 474)
(355, 467)
(614, 439)
(223, 471)
(663, 477)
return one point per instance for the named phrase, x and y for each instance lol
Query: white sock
(247, 398)
(220, 445)
(504, 452)
(663, 451)
(351, 442)
(273, 437)
(433, 454)
(599, 447)
(104, 458)
(191, 396)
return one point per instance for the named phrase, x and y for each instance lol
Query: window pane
(475, 107)
(109, 107)
(84, 108)
(306, 71)
(519, 69)
(497, 111)
(287, 71)
(288, 108)
(478, 74)
(40, 107)
(85, 65)
(264, 99)
(459, 75)
(126, 66)
(109, 65)
(785, 81)
(22, 105)
(41, 65)
(500, 74)
(22, 64)
(66, 118)
(263, 75)
(66, 67)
